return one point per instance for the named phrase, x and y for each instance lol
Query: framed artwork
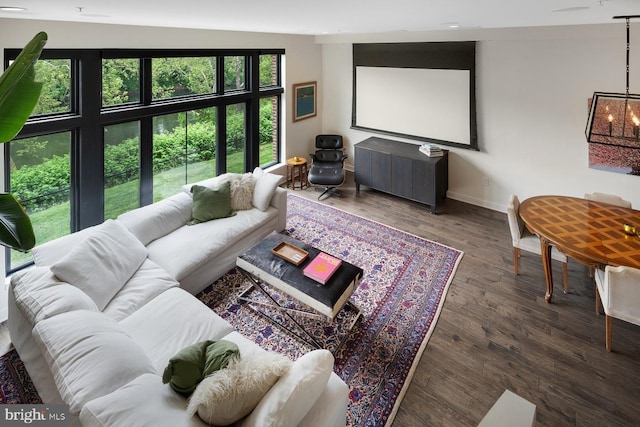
(304, 100)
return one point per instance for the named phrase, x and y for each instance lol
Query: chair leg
(565, 277)
(516, 259)
(598, 302)
(608, 327)
(332, 192)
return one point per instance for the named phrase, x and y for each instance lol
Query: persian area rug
(400, 297)
(15, 385)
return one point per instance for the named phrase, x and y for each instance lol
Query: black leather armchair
(327, 164)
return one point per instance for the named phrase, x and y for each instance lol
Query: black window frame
(87, 119)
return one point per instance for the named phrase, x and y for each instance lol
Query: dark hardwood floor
(496, 331)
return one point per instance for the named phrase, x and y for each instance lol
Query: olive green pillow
(192, 364)
(210, 203)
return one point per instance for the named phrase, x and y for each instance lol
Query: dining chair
(618, 292)
(608, 198)
(523, 240)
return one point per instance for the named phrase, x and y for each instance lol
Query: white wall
(532, 87)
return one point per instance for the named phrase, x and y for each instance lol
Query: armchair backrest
(516, 225)
(608, 198)
(622, 293)
(329, 142)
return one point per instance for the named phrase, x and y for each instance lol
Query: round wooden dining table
(587, 231)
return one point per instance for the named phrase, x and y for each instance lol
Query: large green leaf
(16, 231)
(19, 92)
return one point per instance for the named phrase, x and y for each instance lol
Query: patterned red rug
(400, 296)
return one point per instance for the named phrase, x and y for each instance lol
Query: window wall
(118, 129)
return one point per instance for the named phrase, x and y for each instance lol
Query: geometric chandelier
(614, 118)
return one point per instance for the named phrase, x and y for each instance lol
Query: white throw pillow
(266, 184)
(229, 394)
(289, 400)
(89, 355)
(102, 263)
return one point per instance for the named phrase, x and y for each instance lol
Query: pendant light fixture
(614, 118)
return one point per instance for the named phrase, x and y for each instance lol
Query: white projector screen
(427, 103)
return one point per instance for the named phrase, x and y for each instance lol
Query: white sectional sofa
(102, 312)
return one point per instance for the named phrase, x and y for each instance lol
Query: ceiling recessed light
(454, 25)
(12, 9)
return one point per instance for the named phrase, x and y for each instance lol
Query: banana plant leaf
(19, 92)
(16, 231)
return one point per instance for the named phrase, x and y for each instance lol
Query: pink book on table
(322, 267)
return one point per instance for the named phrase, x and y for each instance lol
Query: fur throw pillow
(228, 395)
(242, 186)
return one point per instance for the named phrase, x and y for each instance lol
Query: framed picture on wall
(304, 100)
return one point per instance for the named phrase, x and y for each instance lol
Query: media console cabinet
(399, 168)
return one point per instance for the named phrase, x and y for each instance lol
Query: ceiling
(327, 16)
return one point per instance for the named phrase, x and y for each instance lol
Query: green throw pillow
(192, 364)
(210, 203)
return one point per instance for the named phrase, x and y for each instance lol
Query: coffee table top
(327, 299)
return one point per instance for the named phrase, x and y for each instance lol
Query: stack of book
(431, 150)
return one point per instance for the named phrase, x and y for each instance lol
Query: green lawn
(53, 222)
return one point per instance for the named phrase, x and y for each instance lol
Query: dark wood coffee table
(260, 265)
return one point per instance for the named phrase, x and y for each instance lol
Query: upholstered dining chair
(523, 240)
(608, 198)
(327, 164)
(618, 290)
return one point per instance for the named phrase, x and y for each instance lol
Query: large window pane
(268, 131)
(268, 70)
(183, 76)
(120, 81)
(40, 180)
(184, 147)
(236, 137)
(55, 75)
(234, 73)
(121, 168)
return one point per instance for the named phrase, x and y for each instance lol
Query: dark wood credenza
(399, 168)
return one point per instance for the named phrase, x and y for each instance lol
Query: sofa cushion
(186, 249)
(228, 395)
(51, 252)
(146, 283)
(39, 295)
(102, 263)
(89, 355)
(172, 321)
(153, 221)
(144, 402)
(209, 182)
(193, 363)
(264, 189)
(210, 203)
(289, 400)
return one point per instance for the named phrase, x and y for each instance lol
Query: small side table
(297, 165)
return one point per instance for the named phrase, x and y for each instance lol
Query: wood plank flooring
(496, 331)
